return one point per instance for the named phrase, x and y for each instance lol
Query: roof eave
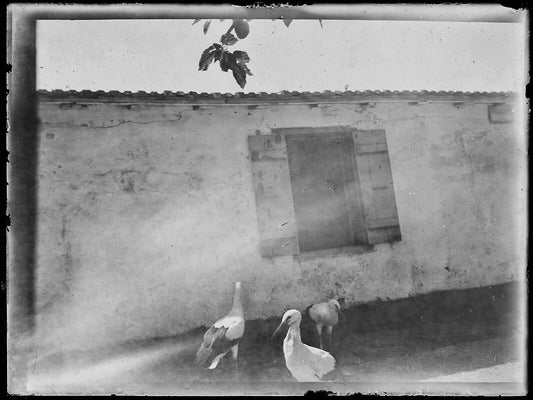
(282, 97)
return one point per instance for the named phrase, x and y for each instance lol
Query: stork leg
(319, 330)
(234, 353)
(329, 330)
(216, 360)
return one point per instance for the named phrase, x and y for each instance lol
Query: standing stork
(325, 314)
(306, 363)
(224, 335)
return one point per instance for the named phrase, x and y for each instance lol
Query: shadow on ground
(384, 341)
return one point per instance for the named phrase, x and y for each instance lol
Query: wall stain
(416, 273)
(194, 180)
(132, 180)
(72, 106)
(68, 263)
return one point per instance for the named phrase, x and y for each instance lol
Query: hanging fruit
(241, 28)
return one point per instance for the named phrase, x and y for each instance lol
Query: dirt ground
(369, 358)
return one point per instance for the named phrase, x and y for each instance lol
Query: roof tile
(284, 95)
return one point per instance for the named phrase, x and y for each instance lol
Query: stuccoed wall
(147, 215)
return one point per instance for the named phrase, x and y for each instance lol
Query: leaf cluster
(235, 61)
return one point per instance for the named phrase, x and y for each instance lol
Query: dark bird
(325, 315)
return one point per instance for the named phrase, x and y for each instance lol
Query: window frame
(324, 131)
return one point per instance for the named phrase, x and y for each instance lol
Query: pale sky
(160, 55)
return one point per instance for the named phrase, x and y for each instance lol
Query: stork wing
(234, 325)
(304, 373)
(222, 336)
(323, 314)
(321, 361)
(205, 351)
(314, 313)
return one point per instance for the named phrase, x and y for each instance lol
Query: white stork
(306, 363)
(325, 314)
(224, 335)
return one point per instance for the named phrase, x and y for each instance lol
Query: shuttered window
(322, 188)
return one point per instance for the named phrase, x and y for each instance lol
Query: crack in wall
(120, 122)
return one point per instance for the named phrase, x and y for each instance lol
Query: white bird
(224, 335)
(306, 363)
(325, 314)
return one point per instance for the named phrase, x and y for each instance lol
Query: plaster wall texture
(147, 215)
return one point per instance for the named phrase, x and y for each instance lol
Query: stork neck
(294, 332)
(237, 305)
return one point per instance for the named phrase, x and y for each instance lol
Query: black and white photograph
(214, 200)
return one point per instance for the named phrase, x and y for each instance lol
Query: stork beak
(279, 328)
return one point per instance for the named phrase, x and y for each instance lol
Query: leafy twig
(236, 61)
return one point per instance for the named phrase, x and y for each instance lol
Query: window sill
(328, 253)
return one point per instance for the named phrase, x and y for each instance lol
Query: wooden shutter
(377, 188)
(273, 195)
(501, 113)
